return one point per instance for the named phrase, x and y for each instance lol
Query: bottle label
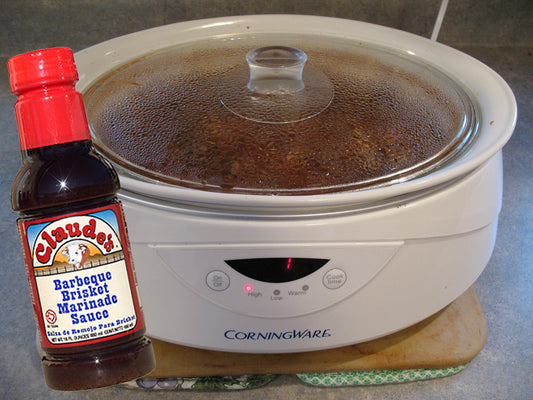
(81, 277)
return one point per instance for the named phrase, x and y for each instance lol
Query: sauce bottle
(74, 238)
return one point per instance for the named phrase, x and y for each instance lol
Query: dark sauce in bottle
(73, 234)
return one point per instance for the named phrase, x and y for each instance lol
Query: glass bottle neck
(54, 151)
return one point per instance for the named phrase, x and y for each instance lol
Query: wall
(42, 23)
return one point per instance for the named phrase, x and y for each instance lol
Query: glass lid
(279, 114)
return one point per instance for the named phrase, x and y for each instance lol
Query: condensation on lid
(382, 118)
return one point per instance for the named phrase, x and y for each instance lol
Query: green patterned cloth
(202, 383)
(332, 379)
(383, 377)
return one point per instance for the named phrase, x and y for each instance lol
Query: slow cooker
(295, 183)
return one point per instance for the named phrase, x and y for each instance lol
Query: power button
(334, 278)
(217, 280)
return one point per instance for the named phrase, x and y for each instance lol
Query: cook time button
(217, 280)
(334, 278)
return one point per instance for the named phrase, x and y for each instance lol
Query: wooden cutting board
(451, 337)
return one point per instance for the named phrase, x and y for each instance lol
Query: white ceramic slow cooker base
(400, 264)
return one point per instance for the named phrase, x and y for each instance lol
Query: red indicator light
(289, 262)
(248, 288)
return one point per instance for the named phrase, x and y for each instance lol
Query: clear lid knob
(276, 88)
(276, 70)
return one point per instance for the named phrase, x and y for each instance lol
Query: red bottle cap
(49, 110)
(42, 68)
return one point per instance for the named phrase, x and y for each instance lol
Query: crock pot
(241, 255)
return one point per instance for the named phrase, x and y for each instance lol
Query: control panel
(279, 280)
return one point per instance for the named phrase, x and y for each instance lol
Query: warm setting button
(334, 278)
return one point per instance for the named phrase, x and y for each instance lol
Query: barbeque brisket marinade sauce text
(73, 234)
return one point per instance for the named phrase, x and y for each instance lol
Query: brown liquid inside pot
(390, 119)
